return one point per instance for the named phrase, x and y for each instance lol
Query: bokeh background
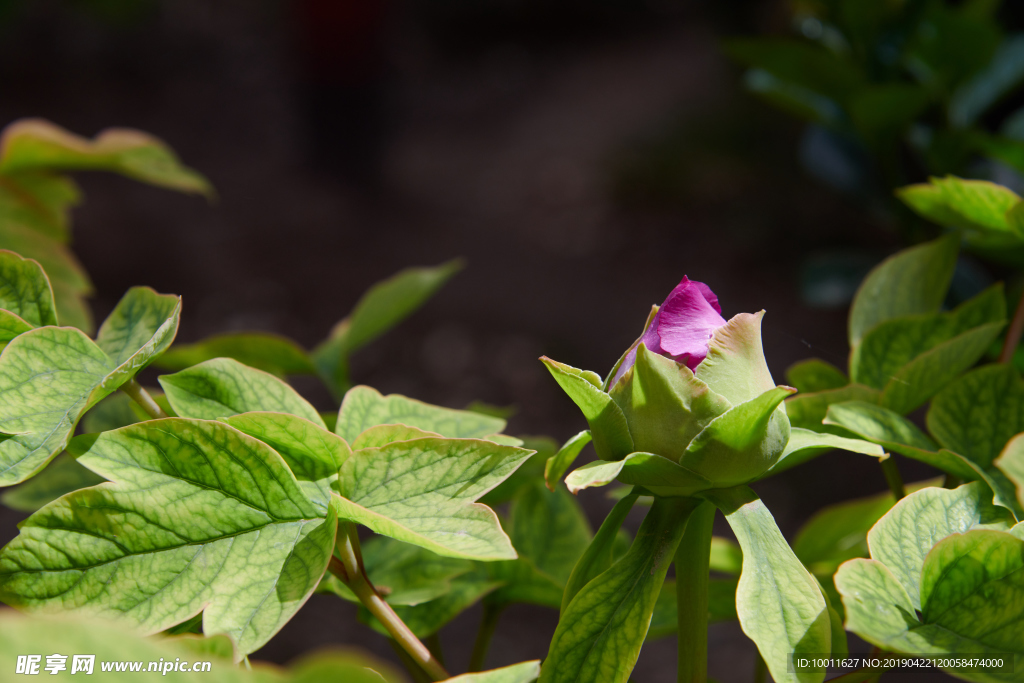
(581, 156)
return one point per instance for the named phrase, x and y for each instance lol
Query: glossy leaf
(198, 517)
(382, 307)
(608, 426)
(600, 554)
(423, 492)
(261, 350)
(803, 445)
(779, 604)
(557, 465)
(814, 374)
(904, 536)
(25, 291)
(61, 476)
(601, 630)
(30, 144)
(223, 387)
(365, 407)
(912, 281)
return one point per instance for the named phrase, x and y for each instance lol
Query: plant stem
(692, 559)
(142, 397)
(349, 568)
(1013, 334)
(893, 478)
(414, 669)
(433, 643)
(488, 624)
(760, 670)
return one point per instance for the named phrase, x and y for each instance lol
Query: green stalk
(348, 566)
(893, 478)
(142, 397)
(692, 560)
(488, 624)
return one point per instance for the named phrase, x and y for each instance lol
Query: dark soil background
(580, 156)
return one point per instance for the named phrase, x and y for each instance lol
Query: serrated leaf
(524, 672)
(25, 291)
(602, 629)
(61, 476)
(382, 307)
(803, 445)
(912, 281)
(600, 554)
(312, 453)
(198, 516)
(779, 604)
(31, 144)
(1011, 463)
(556, 466)
(892, 344)
(261, 350)
(403, 574)
(897, 434)
(814, 374)
(423, 492)
(223, 387)
(608, 426)
(903, 537)
(364, 407)
(659, 475)
(806, 411)
(743, 442)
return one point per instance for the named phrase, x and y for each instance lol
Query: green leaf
(30, 144)
(608, 426)
(659, 475)
(364, 408)
(721, 606)
(726, 556)
(1002, 75)
(892, 344)
(601, 630)
(780, 605)
(839, 532)
(600, 554)
(223, 387)
(912, 281)
(877, 606)
(556, 466)
(198, 517)
(524, 672)
(382, 307)
(665, 406)
(113, 412)
(427, 618)
(312, 453)
(261, 350)
(422, 492)
(798, 62)
(803, 445)
(904, 536)
(25, 291)
(898, 434)
(735, 366)
(814, 374)
(528, 474)
(403, 574)
(38, 200)
(1011, 463)
(61, 476)
(807, 411)
(50, 376)
(743, 442)
(382, 435)
(882, 112)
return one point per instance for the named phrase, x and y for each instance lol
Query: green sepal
(665, 406)
(815, 374)
(742, 443)
(223, 387)
(779, 603)
(364, 407)
(608, 426)
(602, 629)
(735, 366)
(659, 475)
(556, 466)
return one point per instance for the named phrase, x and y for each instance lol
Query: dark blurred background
(582, 156)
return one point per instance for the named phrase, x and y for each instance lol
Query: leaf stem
(692, 560)
(893, 478)
(142, 397)
(488, 624)
(349, 568)
(1013, 334)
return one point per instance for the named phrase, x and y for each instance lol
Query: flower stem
(1013, 334)
(893, 478)
(349, 568)
(488, 624)
(142, 397)
(693, 557)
